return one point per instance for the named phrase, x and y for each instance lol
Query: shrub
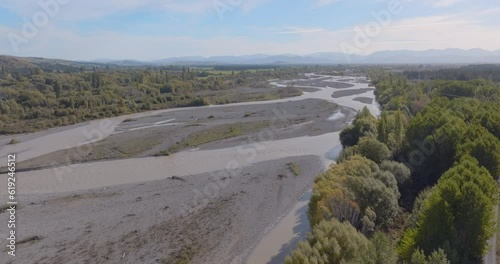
(14, 141)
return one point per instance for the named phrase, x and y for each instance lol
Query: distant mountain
(448, 56)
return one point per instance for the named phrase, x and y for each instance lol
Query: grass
(215, 134)
(14, 141)
(294, 168)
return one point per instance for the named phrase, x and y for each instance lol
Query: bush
(294, 168)
(372, 149)
(14, 141)
(331, 242)
(399, 170)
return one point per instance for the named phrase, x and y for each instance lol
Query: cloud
(442, 3)
(420, 33)
(492, 11)
(320, 3)
(81, 10)
(296, 30)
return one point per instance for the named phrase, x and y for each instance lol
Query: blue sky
(154, 29)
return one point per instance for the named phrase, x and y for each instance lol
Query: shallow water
(336, 116)
(282, 239)
(32, 146)
(276, 244)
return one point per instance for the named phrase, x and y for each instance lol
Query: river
(279, 240)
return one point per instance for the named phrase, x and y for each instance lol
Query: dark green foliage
(437, 257)
(381, 250)
(364, 125)
(401, 173)
(464, 73)
(373, 149)
(457, 216)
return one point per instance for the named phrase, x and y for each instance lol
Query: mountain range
(448, 56)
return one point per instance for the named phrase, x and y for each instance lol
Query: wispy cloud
(492, 11)
(320, 3)
(296, 30)
(81, 10)
(442, 3)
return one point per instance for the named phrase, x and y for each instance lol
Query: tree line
(38, 98)
(418, 184)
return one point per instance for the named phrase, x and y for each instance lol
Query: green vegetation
(457, 215)
(331, 242)
(365, 125)
(294, 168)
(215, 134)
(434, 153)
(368, 147)
(36, 97)
(14, 141)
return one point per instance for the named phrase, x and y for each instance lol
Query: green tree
(364, 125)
(457, 216)
(399, 170)
(57, 89)
(381, 250)
(372, 149)
(331, 242)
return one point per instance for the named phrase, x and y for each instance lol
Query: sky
(156, 29)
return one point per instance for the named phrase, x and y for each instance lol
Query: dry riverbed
(209, 128)
(191, 219)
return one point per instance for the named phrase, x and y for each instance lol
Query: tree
(364, 125)
(483, 146)
(399, 170)
(57, 89)
(437, 257)
(372, 149)
(457, 216)
(331, 242)
(347, 190)
(381, 250)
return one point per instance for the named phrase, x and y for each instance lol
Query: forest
(416, 185)
(464, 73)
(34, 97)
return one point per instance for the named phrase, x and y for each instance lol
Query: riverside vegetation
(37, 97)
(419, 184)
